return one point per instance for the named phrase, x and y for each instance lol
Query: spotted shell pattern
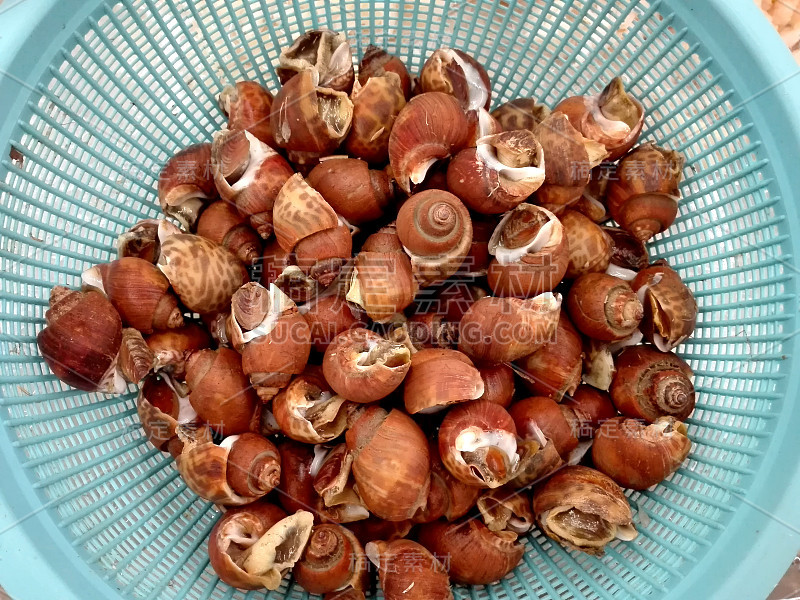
(202, 273)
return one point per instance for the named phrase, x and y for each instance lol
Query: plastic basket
(95, 96)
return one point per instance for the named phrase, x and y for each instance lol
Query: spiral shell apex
(435, 229)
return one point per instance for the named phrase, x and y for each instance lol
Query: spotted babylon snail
(248, 105)
(520, 113)
(376, 62)
(376, 104)
(309, 120)
(456, 73)
(203, 274)
(307, 225)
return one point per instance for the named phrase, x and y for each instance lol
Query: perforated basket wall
(134, 81)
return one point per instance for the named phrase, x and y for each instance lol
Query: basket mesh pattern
(138, 81)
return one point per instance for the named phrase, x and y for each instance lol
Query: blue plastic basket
(95, 96)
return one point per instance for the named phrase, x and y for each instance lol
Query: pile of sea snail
(396, 405)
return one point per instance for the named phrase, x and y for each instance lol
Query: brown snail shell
(436, 231)
(333, 560)
(81, 340)
(308, 120)
(477, 556)
(613, 117)
(373, 528)
(506, 329)
(163, 405)
(438, 378)
(186, 184)
(376, 62)
(649, 384)
(271, 334)
(376, 104)
(328, 316)
(296, 486)
(670, 310)
(352, 189)
(407, 571)
(583, 509)
(335, 486)
(448, 497)
(530, 252)
(139, 291)
(521, 113)
(456, 73)
(391, 463)
(363, 367)
(592, 204)
(604, 307)
(554, 370)
(500, 173)
(140, 241)
(327, 51)
(189, 261)
(322, 255)
(478, 444)
(539, 415)
(498, 383)
(431, 127)
(592, 408)
(589, 246)
(643, 195)
(248, 105)
(238, 471)
(222, 223)
(570, 158)
(279, 267)
(249, 174)
(172, 347)
(252, 547)
(639, 456)
(219, 390)
(382, 283)
(307, 410)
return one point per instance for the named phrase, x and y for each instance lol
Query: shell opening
(279, 305)
(475, 438)
(259, 152)
(620, 272)
(544, 237)
(386, 353)
(478, 94)
(522, 163)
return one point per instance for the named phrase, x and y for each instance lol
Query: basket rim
(753, 58)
